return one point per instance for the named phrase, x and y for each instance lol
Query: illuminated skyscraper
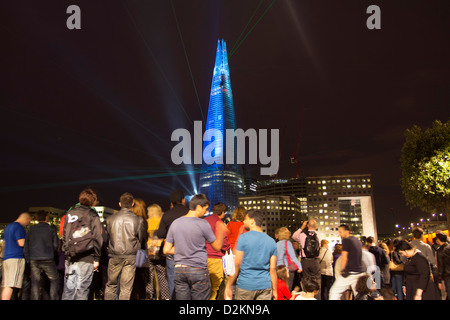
(221, 182)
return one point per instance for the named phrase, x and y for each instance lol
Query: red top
(233, 234)
(283, 291)
(213, 219)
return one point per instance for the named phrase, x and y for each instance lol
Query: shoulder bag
(291, 265)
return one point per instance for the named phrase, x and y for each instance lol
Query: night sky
(97, 106)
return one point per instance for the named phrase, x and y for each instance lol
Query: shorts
(13, 270)
(241, 294)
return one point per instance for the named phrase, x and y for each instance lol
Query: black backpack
(78, 236)
(312, 245)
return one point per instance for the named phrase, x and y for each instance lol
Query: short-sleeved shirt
(13, 232)
(234, 227)
(354, 248)
(188, 235)
(258, 248)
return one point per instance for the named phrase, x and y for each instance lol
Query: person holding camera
(309, 241)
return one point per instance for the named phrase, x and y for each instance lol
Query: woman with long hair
(235, 226)
(283, 292)
(286, 254)
(157, 285)
(141, 279)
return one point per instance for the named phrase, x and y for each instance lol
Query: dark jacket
(380, 256)
(81, 211)
(168, 217)
(417, 276)
(41, 242)
(126, 231)
(443, 262)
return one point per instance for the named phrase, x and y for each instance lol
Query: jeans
(77, 280)
(397, 285)
(170, 266)
(447, 288)
(327, 282)
(192, 283)
(126, 269)
(49, 268)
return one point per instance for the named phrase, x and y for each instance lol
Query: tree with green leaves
(425, 164)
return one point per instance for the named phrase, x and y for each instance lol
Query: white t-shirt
(300, 296)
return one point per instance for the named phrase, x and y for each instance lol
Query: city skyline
(96, 106)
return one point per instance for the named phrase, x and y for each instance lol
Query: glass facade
(350, 211)
(221, 182)
(341, 199)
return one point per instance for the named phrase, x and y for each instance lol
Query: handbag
(228, 263)
(291, 265)
(141, 258)
(394, 266)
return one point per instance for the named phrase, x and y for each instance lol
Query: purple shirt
(188, 235)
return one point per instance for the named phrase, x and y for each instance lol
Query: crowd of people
(144, 253)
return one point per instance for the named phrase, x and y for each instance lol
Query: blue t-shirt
(189, 236)
(258, 248)
(13, 232)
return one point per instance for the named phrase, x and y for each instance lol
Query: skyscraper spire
(221, 182)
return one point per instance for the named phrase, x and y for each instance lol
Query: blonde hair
(139, 208)
(284, 233)
(154, 218)
(238, 214)
(154, 211)
(385, 248)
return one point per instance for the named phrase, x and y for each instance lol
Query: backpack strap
(287, 253)
(323, 256)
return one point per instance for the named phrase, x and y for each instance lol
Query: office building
(278, 210)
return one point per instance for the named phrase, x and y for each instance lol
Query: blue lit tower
(221, 182)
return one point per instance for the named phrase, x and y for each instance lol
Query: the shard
(221, 182)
